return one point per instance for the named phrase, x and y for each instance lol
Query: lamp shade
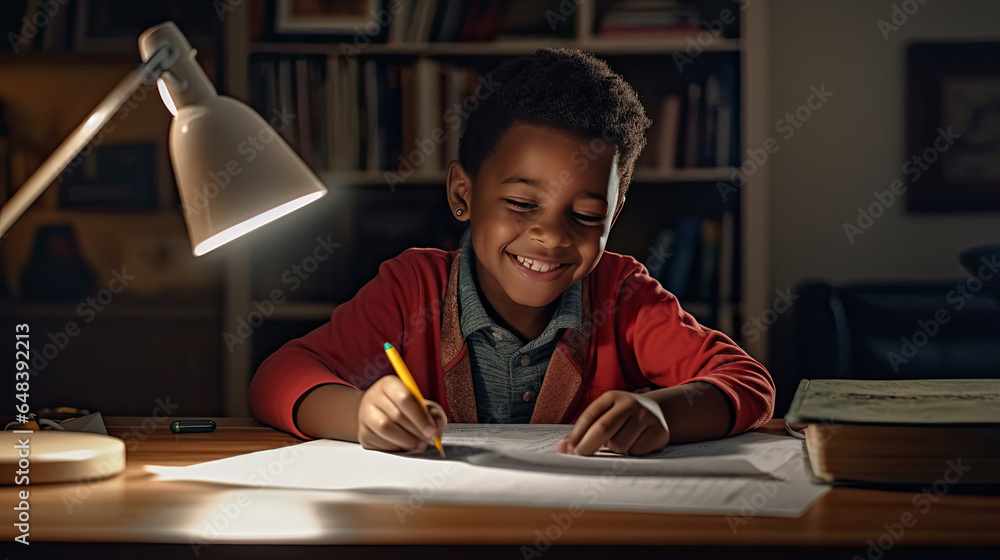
(233, 170)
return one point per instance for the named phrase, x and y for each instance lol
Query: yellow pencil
(401, 370)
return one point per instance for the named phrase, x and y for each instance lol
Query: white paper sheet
(750, 474)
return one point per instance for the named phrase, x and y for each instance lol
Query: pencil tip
(387, 346)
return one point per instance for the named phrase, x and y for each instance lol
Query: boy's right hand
(390, 418)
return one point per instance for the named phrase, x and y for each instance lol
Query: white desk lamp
(205, 134)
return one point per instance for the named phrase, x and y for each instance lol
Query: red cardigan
(634, 336)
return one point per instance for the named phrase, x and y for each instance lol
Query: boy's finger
(395, 421)
(437, 413)
(626, 437)
(602, 430)
(410, 414)
(583, 423)
(397, 436)
(375, 439)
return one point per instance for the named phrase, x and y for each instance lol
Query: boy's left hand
(621, 421)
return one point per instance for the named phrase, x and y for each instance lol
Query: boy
(527, 322)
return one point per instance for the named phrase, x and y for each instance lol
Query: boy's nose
(550, 233)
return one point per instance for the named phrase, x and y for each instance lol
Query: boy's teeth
(538, 267)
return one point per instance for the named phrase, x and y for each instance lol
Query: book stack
(688, 261)
(648, 19)
(932, 431)
(366, 115)
(697, 127)
(291, 94)
(481, 20)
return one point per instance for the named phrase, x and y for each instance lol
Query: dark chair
(898, 330)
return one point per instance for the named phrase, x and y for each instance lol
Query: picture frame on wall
(953, 127)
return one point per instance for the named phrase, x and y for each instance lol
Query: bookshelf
(661, 196)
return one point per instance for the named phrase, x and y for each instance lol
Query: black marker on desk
(192, 426)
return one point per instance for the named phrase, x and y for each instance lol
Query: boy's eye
(521, 205)
(589, 220)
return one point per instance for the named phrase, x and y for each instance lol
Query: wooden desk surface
(134, 508)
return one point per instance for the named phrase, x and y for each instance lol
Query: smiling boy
(531, 320)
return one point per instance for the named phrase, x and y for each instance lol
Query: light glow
(165, 96)
(94, 122)
(245, 227)
(71, 455)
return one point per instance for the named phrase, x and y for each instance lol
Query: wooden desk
(132, 508)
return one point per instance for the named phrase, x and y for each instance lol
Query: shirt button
(525, 361)
(528, 396)
(497, 335)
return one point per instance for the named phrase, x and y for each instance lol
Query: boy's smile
(540, 212)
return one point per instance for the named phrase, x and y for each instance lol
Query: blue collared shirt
(507, 374)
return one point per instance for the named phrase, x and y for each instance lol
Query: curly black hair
(567, 89)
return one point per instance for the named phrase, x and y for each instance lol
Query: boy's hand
(621, 420)
(390, 418)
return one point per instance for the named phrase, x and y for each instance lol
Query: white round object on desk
(58, 456)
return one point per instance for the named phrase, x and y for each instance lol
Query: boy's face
(540, 210)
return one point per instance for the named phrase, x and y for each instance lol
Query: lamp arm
(147, 72)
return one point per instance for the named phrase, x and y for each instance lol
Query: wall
(852, 145)
(855, 143)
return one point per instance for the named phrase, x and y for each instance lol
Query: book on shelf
(286, 100)
(663, 135)
(368, 116)
(695, 126)
(467, 20)
(295, 86)
(648, 19)
(900, 431)
(686, 261)
(708, 282)
(692, 125)
(677, 276)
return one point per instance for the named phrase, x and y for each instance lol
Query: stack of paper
(518, 465)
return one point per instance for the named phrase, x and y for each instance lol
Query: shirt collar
(473, 317)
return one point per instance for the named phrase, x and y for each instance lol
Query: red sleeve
(347, 350)
(672, 348)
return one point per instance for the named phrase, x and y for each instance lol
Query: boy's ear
(459, 187)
